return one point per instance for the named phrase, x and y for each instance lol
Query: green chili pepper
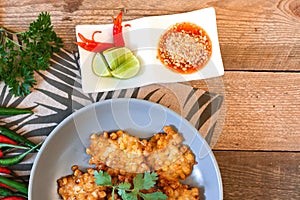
(16, 137)
(16, 159)
(21, 187)
(12, 145)
(14, 111)
(7, 193)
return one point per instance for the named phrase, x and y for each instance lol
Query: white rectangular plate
(142, 38)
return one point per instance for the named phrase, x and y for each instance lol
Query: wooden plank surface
(254, 35)
(258, 151)
(262, 110)
(260, 175)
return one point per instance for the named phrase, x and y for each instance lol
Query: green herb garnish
(23, 53)
(126, 191)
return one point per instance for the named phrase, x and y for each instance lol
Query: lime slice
(116, 56)
(99, 66)
(127, 69)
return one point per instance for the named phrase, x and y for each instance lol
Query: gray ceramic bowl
(65, 146)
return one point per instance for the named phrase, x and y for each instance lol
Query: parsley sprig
(126, 191)
(23, 53)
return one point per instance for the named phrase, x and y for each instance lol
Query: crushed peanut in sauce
(185, 48)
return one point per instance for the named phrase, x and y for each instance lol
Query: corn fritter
(122, 156)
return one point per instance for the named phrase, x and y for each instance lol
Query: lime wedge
(116, 56)
(99, 66)
(127, 69)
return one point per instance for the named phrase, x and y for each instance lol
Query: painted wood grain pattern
(260, 175)
(254, 35)
(262, 110)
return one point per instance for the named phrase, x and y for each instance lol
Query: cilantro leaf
(127, 195)
(140, 182)
(102, 178)
(124, 186)
(122, 193)
(145, 182)
(154, 196)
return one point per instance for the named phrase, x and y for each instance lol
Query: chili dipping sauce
(185, 48)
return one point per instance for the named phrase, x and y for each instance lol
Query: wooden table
(258, 151)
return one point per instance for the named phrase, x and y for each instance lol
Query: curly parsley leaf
(140, 182)
(30, 51)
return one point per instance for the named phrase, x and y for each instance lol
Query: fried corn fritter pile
(118, 150)
(123, 156)
(168, 156)
(82, 186)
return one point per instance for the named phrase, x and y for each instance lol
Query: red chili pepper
(1, 153)
(5, 170)
(93, 36)
(117, 31)
(92, 45)
(14, 198)
(5, 186)
(85, 40)
(4, 139)
(95, 47)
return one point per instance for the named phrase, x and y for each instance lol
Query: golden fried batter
(81, 186)
(169, 157)
(164, 153)
(119, 151)
(123, 155)
(176, 190)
